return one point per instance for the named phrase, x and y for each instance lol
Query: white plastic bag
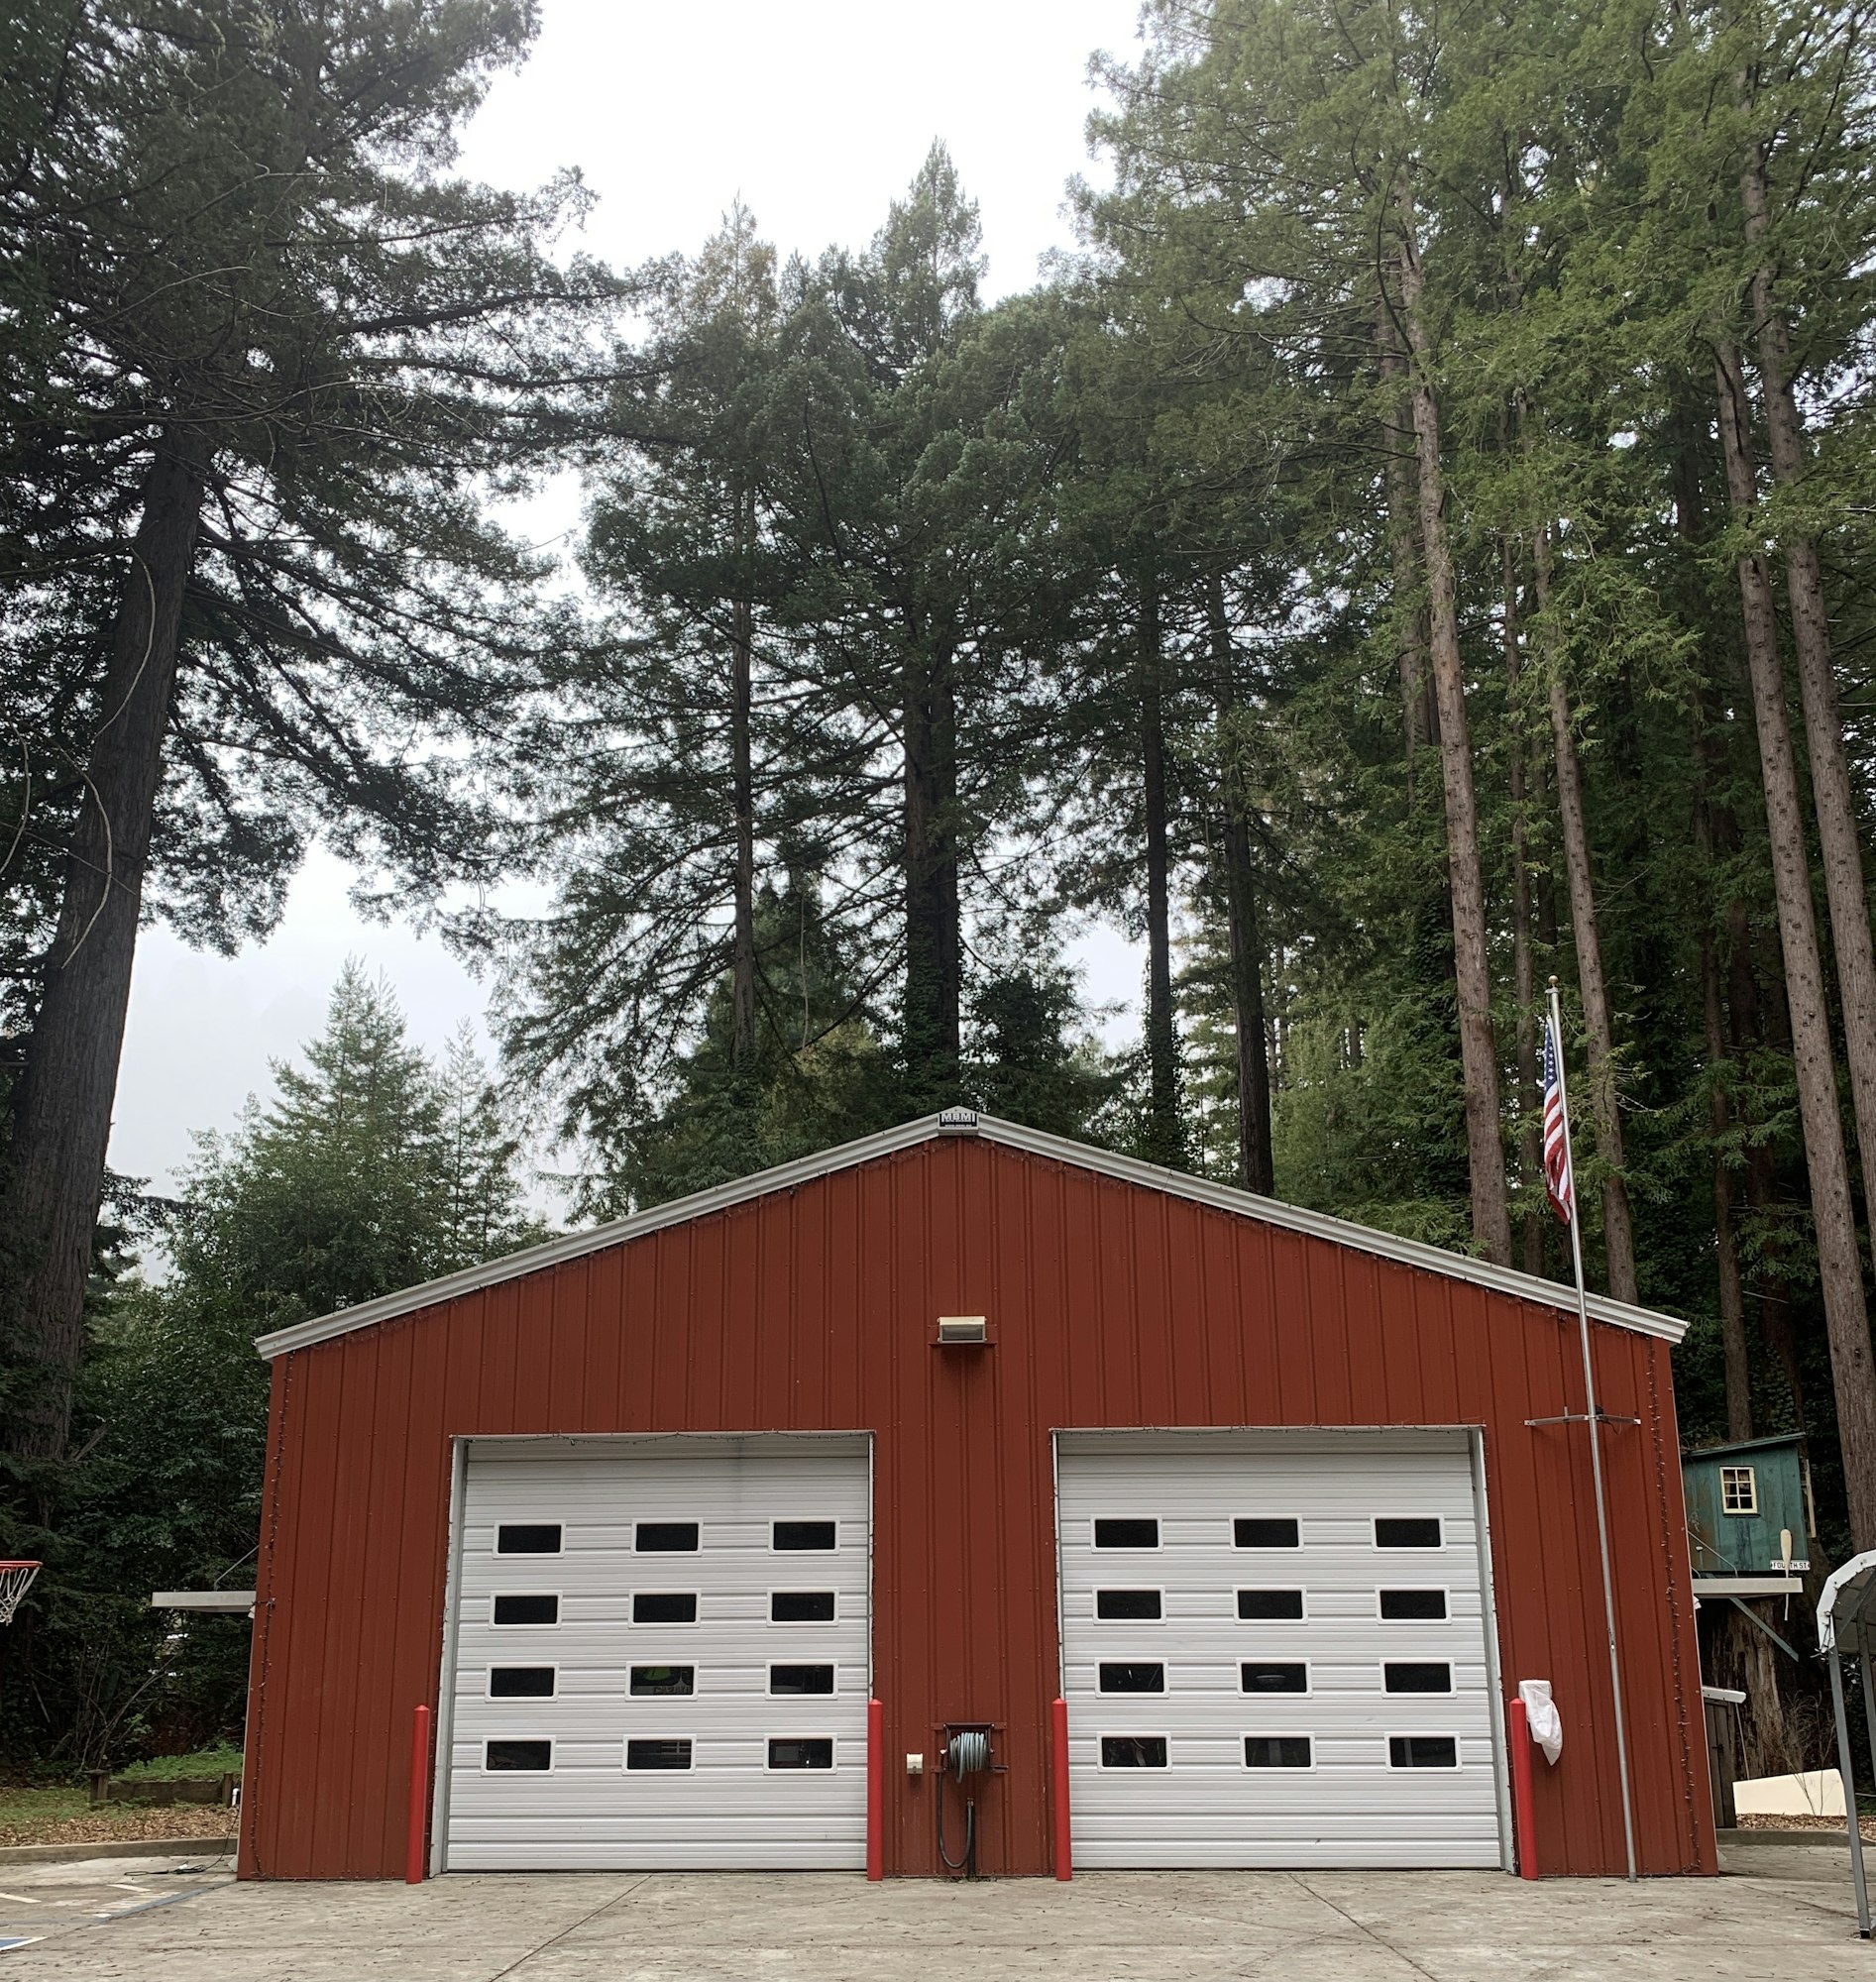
(1542, 1717)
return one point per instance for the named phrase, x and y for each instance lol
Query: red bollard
(875, 1790)
(420, 1797)
(1064, 1857)
(1523, 1801)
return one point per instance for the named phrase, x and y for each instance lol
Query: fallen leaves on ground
(102, 1826)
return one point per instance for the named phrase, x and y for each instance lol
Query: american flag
(1557, 1178)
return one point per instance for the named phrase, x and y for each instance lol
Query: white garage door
(660, 1655)
(1274, 1650)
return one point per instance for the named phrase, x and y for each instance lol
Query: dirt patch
(104, 1827)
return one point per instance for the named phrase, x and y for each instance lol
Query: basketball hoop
(14, 1579)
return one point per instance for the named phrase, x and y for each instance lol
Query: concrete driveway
(1784, 1912)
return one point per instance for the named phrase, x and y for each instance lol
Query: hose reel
(964, 1751)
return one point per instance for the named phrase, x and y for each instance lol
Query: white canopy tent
(1846, 1628)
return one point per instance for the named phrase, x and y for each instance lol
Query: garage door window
(801, 1606)
(1133, 1751)
(1278, 1751)
(528, 1538)
(658, 1754)
(520, 1682)
(1127, 1605)
(1258, 1533)
(1126, 1534)
(1413, 1607)
(786, 1681)
(804, 1535)
(1427, 1677)
(1422, 1751)
(530, 1609)
(502, 1755)
(1400, 1531)
(1271, 1605)
(663, 1682)
(665, 1538)
(1274, 1675)
(664, 1607)
(1133, 1675)
(815, 1751)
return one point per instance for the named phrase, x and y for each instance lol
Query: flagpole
(1596, 1436)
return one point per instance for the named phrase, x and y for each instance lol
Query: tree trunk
(1523, 960)
(1479, 1053)
(1619, 1236)
(742, 961)
(1732, 1306)
(1853, 1377)
(933, 954)
(1420, 716)
(1256, 1164)
(1831, 789)
(1165, 1130)
(62, 1102)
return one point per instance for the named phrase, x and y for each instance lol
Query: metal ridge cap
(1322, 1225)
(576, 1245)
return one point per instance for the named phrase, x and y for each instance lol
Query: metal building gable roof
(966, 1122)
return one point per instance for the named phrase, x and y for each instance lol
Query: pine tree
(279, 354)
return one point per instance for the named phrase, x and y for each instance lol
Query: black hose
(965, 1753)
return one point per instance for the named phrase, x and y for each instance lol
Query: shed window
(804, 1535)
(1738, 1490)
(1133, 1751)
(1276, 1751)
(664, 1607)
(812, 1751)
(518, 1755)
(1118, 1604)
(528, 1538)
(527, 1609)
(665, 1538)
(520, 1682)
(801, 1606)
(1126, 1534)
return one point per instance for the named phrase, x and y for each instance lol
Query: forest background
(1418, 545)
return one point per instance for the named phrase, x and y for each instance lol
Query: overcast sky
(817, 113)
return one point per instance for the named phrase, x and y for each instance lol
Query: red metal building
(1284, 1508)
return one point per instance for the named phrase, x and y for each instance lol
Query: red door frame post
(1064, 1855)
(1523, 1800)
(875, 1790)
(420, 1797)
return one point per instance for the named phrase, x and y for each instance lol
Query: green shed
(1741, 1503)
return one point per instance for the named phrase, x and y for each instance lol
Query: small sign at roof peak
(957, 1118)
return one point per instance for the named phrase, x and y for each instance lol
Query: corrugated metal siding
(813, 1309)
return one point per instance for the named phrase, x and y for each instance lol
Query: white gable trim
(963, 1122)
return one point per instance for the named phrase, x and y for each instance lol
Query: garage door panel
(1206, 1805)
(728, 1806)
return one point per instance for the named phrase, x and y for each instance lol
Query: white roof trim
(961, 1121)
